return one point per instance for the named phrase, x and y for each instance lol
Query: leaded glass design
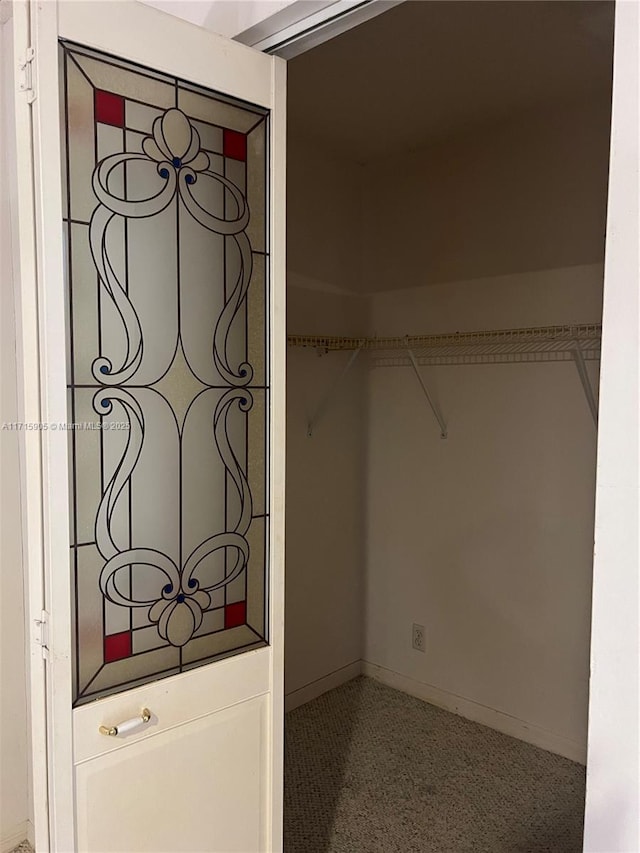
(165, 229)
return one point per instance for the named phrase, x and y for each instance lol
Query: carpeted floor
(372, 770)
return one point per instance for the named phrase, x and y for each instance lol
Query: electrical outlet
(418, 641)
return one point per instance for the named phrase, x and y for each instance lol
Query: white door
(159, 206)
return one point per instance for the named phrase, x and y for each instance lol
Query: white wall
(612, 819)
(485, 538)
(13, 703)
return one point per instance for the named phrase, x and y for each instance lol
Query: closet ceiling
(426, 70)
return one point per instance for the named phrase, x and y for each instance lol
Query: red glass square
(235, 614)
(235, 145)
(109, 108)
(117, 646)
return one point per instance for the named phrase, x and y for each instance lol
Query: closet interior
(447, 186)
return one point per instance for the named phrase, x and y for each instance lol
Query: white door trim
(55, 478)
(612, 814)
(29, 412)
(277, 432)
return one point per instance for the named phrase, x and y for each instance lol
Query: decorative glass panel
(167, 355)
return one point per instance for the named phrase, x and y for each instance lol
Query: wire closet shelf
(499, 346)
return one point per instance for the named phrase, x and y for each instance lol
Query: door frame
(613, 772)
(303, 25)
(612, 813)
(29, 409)
(41, 364)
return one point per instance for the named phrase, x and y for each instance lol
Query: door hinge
(27, 74)
(42, 633)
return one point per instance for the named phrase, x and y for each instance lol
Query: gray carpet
(372, 770)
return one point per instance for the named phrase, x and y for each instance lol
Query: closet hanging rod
(538, 338)
(577, 343)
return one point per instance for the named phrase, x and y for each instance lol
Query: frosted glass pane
(256, 183)
(132, 84)
(235, 171)
(202, 260)
(256, 318)
(64, 173)
(145, 639)
(90, 615)
(211, 137)
(134, 142)
(88, 468)
(167, 342)
(66, 250)
(165, 661)
(110, 140)
(80, 159)
(156, 307)
(256, 612)
(117, 618)
(140, 116)
(237, 277)
(216, 163)
(155, 482)
(257, 449)
(82, 282)
(222, 643)
(212, 622)
(215, 112)
(204, 479)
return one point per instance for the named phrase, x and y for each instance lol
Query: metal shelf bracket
(581, 367)
(543, 344)
(324, 403)
(434, 408)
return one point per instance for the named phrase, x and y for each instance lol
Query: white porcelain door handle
(127, 726)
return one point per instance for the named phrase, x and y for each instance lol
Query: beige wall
(528, 194)
(13, 704)
(485, 538)
(324, 221)
(325, 507)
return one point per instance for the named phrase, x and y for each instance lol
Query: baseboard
(15, 835)
(322, 685)
(471, 710)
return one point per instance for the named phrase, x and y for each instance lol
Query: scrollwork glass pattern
(167, 259)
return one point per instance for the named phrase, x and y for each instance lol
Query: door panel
(170, 489)
(186, 698)
(171, 807)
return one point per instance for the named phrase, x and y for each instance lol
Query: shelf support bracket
(436, 411)
(581, 367)
(324, 403)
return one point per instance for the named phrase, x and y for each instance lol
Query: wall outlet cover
(418, 637)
